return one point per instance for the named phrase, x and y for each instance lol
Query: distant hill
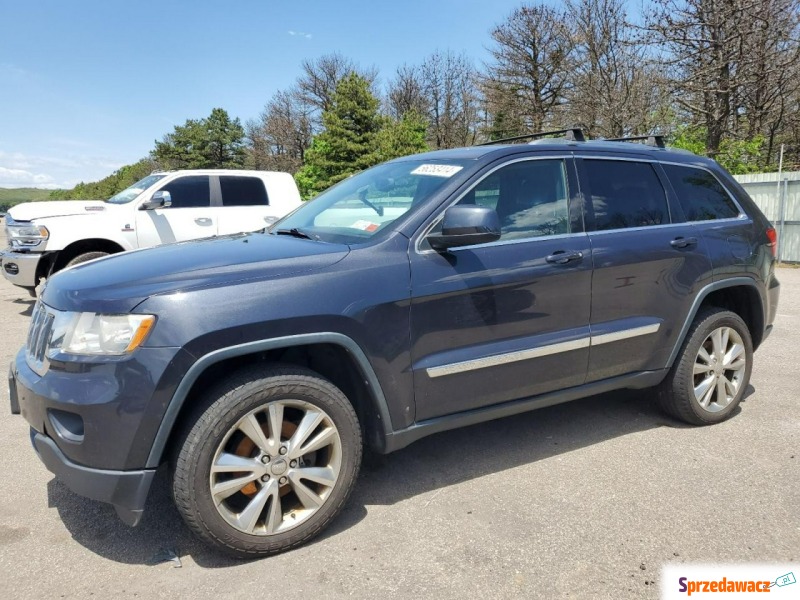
(11, 196)
(23, 194)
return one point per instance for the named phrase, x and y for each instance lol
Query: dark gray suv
(427, 293)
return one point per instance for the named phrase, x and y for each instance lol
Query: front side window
(362, 205)
(192, 191)
(134, 190)
(625, 194)
(242, 191)
(702, 197)
(531, 198)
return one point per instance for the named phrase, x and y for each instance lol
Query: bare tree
(770, 72)
(449, 85)
(320, 76)
(405, 93)
(614, 92)
(702, 52)
(533, 58)
(280, 136)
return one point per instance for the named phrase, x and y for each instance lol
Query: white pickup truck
(45, 237)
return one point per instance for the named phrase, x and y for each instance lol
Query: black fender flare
(698, 300)
(175, 405)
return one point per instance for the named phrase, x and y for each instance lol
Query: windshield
(137, 188)
(357, 208)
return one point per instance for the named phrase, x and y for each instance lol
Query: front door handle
(203, 221)
(683, 242)
(561, 257)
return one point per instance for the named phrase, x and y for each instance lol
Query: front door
(190, 216)
(509, 319)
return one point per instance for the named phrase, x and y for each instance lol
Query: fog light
(68, 426)
(11, 268)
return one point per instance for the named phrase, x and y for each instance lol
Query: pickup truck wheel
(709, 377)
(269, 463)
(85, 257)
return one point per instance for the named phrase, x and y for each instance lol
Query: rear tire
(85, 257)
(268, 461)
(710, 375)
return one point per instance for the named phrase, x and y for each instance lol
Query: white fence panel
(763, 189)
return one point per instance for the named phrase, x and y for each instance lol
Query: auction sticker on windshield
(437, 170)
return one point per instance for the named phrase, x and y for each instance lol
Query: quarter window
(702, 197)
(242, 191)
(190, 191)
(531, 198)
(625, 194)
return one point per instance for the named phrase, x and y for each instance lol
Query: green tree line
(718, 77)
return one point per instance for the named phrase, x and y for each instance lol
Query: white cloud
(308, 36)
(23, 178)
(45, 171)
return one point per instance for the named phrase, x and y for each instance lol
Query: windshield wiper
(294, 232)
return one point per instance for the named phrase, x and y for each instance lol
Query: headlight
(105, 335)
(27, 235)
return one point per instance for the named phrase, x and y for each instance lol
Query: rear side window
(626, 194)
(243, 191)
(190, 191)
(702, 197)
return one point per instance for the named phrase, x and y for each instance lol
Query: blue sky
(87, 86)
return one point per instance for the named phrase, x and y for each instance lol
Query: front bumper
(126, 490)
(20, 267)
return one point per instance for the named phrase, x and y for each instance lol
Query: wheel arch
(334, 356)
(737, 294)
(62, 257)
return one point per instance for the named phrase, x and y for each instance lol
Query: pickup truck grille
(39, 336)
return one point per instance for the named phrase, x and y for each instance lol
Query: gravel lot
(583, 500)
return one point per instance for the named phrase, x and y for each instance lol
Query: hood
(118, 283)
(28, 211)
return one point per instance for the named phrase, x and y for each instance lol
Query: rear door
(648, 265)
(508, 319)
(189, 217)
(244, 204)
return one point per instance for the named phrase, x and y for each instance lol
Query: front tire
(712, 371)
(85, 257)
(269, 461)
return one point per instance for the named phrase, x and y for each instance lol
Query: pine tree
(349, 141)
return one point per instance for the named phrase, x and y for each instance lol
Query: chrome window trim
(539, 351)
(432, 224)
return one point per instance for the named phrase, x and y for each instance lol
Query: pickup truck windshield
(137, 188)
(357, 208)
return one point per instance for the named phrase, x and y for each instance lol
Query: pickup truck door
(243, 204)
(508, 319)
(190, 216)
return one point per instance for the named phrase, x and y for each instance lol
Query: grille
(39, 335)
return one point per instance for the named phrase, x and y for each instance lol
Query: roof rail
(657, 141)
(573, 133)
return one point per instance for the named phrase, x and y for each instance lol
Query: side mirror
(160, 199)
(465, 226)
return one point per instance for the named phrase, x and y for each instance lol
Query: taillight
(772, 236)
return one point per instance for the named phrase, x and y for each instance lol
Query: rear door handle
(203, 221)
(561, 257)
(682, 242)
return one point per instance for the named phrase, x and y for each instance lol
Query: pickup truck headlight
(96, 334)
(27, 235)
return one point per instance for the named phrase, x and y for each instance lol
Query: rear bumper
(126, 490)
(20, 267)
